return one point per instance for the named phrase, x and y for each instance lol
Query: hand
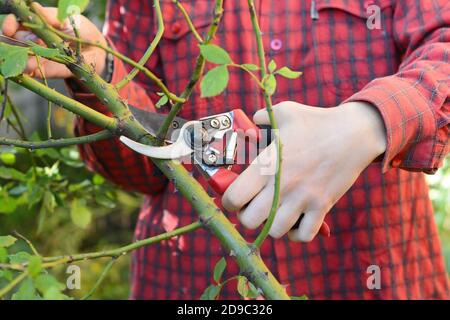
(324, 151)
(87, 30)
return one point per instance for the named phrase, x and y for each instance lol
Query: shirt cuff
(410, 124)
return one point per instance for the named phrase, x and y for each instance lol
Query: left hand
(324, 151)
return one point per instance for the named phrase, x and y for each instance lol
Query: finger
(25, 36)
(309, 227)
(258, 210)
(51, 70)
(10, 25)
(250, 182)
(286, 217)
(50, 15)
(261, 117)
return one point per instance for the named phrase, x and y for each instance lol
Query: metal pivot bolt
(215, 123)
(226, 122)
(212, 158)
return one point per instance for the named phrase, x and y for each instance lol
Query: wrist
(367, 125)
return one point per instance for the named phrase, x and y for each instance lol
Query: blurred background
(49, 196)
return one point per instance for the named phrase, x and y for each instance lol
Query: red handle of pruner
(222, 179)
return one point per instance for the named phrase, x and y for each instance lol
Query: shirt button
(276, 44)
(176, 27)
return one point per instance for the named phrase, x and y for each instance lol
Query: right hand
(87, 30)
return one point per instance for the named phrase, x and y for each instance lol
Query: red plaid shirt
(385, 219)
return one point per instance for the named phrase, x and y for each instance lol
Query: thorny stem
(149, 50)
(77, 36)
(66, 102)
(32, 145)
(268, 101)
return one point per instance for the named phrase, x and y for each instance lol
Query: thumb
(261, 117)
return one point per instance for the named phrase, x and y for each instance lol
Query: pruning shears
(210, 143)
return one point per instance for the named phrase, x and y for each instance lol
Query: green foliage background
(63, 208)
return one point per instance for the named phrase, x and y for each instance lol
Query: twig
(4, 93)
(11, 285)
(124, 250)
(149, 50)
(195, 77)
(77, 36)
(122, 57)
(49, 103)
(262, 61)
(189, 21)
(17, 234)
(66, 102)
(254, 77)
(100, 279)
(32, 145)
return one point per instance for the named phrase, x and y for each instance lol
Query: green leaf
(70, 7)
(34, 266)
(3, 255)
(80, 214)
(48, 53)
(215, 54)
(27, 291)
(242, 286)
(288, 73)
(162, 101)
(13, 60)
(54, 294)
(250, 66)
(18, 190)
(272, 66)
(8, 158)
(8, 275)
(11, 174)
(7, 204)
(44, 282)
(219, 269)
(303, 297)
(19, 257)
(103, 200)
(270, 85)
(7, 241)
(214, 82)
(211, 292)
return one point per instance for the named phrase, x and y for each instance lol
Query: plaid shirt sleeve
(111, 158)
(414, 102)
